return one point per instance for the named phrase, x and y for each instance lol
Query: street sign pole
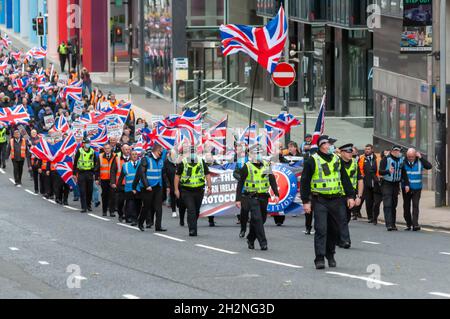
(174, 85)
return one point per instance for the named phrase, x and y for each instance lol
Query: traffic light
(34, 24)
(40, 26)
(118, 34)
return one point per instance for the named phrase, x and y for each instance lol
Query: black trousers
(120, 202)
(3, 154)
(390, 200)
(42, 189)
(85, 183)
(18, 171)
(107, 197)
(60, 188)
(152, 206)
(244, 217)
(257, 207)
(328, 215)
(62, 60)
(373, 201)
(181, 209)
(35, 174)
(192, 200)
(414, 197)
(132, 206)
(173, 199)
(309, 220)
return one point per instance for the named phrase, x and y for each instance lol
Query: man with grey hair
(414, 166)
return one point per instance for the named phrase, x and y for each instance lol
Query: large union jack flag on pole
(65, 170)
(264, 45)
(14, 115)
(320, 124)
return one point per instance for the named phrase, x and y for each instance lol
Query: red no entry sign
(284, 75)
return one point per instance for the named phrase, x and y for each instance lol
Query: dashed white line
(13, 248)
(217, 249)
(444, 253)
(128, 226)
(445, 232)
(12, 181)
(170, 237)
(72, 208)
(44, 263)
(384, 283)
(2, 171)
(129, 296)
(98, 217)
(428, 230)
(80, 277)
(30, 192)
(370, 242)
(276, 262)
(440, 294)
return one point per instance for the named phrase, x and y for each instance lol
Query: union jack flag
(74, 91)
(39, 77)
(264, 45)
(4, 66)
(121, 111)
(217, 135)
(5, 41)
(248, 137)
(16, 55)
(55, 152)
(14, 115)
(188, 120)
(320, 124)
(99, 139)
(277, 128)
(162, 135)
(37, 53)
(62, 125)
(65, 170)
(20, 85)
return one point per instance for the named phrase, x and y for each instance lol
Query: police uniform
(106, 161)
(390, 186)
(150, 175)
(133, 201)
(256, 179)
(325, 184)
(85, 166)
(3, 143)
(192, 174)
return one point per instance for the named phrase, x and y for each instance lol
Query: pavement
(49, 251)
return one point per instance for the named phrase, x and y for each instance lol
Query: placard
(49, 121)
(78, 129)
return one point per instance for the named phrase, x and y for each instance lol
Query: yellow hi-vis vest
(86, 160)
(326, 179)
(3, 135)
(352, 173)
(193, 174)
(257, 179)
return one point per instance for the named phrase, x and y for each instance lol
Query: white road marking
(217, 249)
(128, 226)
(371, 242)
(44, 263)
(13, 248)
(51, 201)
(129, 296)
(12, 181)
(2, 171)
(72, 208)
(80, 277)
(440, 294)
(30, 192)
(384, 283)
(276, 262)
(444, 253)
(428, 230)
(98, 217)
(445, 232)
(169, 237)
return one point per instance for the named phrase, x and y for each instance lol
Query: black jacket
(369, 171)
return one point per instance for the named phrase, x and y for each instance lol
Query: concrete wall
(25, 19)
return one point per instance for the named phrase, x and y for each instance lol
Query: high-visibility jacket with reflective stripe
(130, 173)
(415, 175)
(23, 149)
(105, 166)
(326, 179)
(193, 174)
(396, 176)
(3, 135)
(86, 160)
(154, 172)
(258, 178)
(353, 174)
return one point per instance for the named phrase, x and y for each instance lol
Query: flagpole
(251, 103)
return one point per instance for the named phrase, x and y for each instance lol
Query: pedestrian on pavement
(127, 178)
(351, 166)
(392, 169)
(368, 167)
(63, 51)
(252, 194)
(18, 151)
(150, 179)
(3, 145)
(84, 170)
(191, 177)
(116, 170)
(415, 165)
(326, 189)
(106, 159)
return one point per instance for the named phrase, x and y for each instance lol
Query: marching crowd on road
(135, 181)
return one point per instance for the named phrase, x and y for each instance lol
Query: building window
(384, 116)
(403, 120)
(393, 115)
(413, 125)
(423, 129)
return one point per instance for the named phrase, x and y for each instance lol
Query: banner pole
(251, 103)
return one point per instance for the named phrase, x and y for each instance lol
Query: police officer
(392, 168)
(351, 166)
(84, 170)
(127, 178)
(326, 189)
(116, 170)
(414, 166)
(106, 159)
(3, 143)
(190, 179)
(150, 178)
(18, 151)
(257, 178)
